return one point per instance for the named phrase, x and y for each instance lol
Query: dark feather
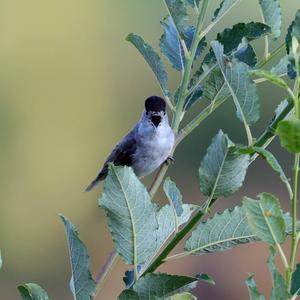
(122, 155)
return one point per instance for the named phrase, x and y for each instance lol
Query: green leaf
(131, 215)
(271, 11)
(178, 13)
(155, 286)
(184, 296)
(129, 295)
(153, 60)
(32, 291)
(194, 97)
(281, 67)
(215, 86)
(166, 221)
(268, 75)
(279, 288)
(252, 289)
(224, 7)
(265, 218)
(225, 231)
(206, 278)
(245, 53)
(289, 134)
(231, 38)
(193, 3)
(272, 161)
(295, 289)
(242, 89)
(222, 170)
(293, 30)
(170, 44)
(82, 284)
(173, 195)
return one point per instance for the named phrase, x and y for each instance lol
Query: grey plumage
(146, 146)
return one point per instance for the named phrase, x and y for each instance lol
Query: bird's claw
(170, 159)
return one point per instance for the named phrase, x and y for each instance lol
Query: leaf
(225, 231)
(271, 11)
(271, 160)
(32, 291)
(170, 45)
(252, 289)
(195, 96)
(289, 134)
(160, 285)
(131, 215)
(166, 221)
(243, 91)
(268, 75)
(215, 86)
(173, 195)
(224, 7)
(245, 53)
(82, 284)
(153, 60)
(265, 218)
(281, 67)
(231, 38)
(129, 295)
(178, 13)
(193, 3)
(279, 288)
(206, 278)
(222, 170)
(295, 289)
(184, 296)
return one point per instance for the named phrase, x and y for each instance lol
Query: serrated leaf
(206, 278)
(155, 286)
(170, 44)
(184, 296)
(281, 67)
(268, 75)
(32, 291)
(295, 288)
(265, 218)
(193, 98)
(242, 89)
(224, 7)
(231, 38)
(178, 12)
(252, 289)
(225, 231)
(271, 160)
(131, 215)
(153, 60)
(279, 288)
(245, 53)
(166, 221)
(222, 170)
(174, 195)
(289, 134)
(271, 11)
(129, 295)
(215, 86)
(82, 284)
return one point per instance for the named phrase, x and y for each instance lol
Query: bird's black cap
(155, 103)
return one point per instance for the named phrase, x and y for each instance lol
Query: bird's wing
(122, 155)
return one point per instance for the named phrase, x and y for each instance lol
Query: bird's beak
(155, 119)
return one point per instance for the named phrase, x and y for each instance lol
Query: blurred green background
(70, 88)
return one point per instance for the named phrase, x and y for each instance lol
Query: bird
(146, 147)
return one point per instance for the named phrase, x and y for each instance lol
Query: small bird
(148, 145)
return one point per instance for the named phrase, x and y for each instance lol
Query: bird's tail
(99, 178)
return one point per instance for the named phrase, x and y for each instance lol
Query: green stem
(271, 55)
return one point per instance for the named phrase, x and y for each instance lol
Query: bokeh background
(70, 88)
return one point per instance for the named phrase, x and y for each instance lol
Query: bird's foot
(169, 160)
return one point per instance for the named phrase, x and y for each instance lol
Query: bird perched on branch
(147, 146)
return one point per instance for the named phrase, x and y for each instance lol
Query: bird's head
(155, 109)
